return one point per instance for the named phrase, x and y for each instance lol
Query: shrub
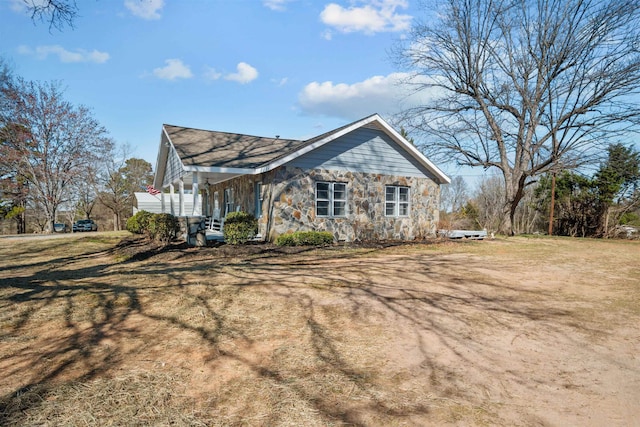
(630, 218)
(239, 227)
(305, 238)
(285, 240)
(139, 223)
(163, 227)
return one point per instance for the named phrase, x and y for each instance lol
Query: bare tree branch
(525, 86)
(57, 13)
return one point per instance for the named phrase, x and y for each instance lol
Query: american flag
(152, 190)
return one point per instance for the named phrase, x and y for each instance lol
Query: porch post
(162, 202)
(172, 198)
(181, 197)
(206, 200)
(197, 210)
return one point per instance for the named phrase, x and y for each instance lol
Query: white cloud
(145, 9)
(18, 6)
(245, 74)
(280, 82)
(373, 16)
(64, 55)
(327, 35)
(175, 69)
(211, 74)
(278, 5)
(386, 95)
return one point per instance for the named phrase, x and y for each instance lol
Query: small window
(331, 199)
(339, 199)
(228, 201)
(258, 193)
(396, 201)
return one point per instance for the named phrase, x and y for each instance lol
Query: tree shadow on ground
(80, 318)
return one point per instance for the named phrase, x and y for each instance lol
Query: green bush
(163, 227)
(305, 238)
(630, 218)
(239, 227)
(139, 223)
(285, 240)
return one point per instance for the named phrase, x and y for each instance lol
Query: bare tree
(527, 218)
(455, 195)
(488, 202)
(48, 141)
(82, 195)
(57, 13)
(120, 178)
(524, 86)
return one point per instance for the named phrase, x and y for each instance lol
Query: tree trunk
(514, 192)
(22, 223)
(553, 201)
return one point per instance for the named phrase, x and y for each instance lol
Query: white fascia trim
(316, 144)
(157, 180)
(237, 171)
(171, 147)
(416, 153)
(168, 152)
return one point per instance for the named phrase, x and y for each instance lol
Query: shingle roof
(227, 154)
(197, 147)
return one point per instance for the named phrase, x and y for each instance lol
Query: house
(362, 181)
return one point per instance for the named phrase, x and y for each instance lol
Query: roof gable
(374, 121)
(366, 149)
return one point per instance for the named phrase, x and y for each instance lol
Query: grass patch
(137, 399)
(95, 330)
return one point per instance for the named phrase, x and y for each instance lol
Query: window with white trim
(331, 199)
(228, 201)
(258, 201)
(396, 201)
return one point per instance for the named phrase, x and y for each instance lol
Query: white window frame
(396, 203)
(228, 201)
(258, 196)
(332, 200)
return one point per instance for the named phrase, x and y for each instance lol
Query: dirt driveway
(509, 332)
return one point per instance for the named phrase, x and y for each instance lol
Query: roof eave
(217, 169)
(436, 171)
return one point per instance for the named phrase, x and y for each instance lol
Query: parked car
(85, 225)
(60, 227)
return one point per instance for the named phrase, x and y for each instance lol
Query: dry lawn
(509, 332)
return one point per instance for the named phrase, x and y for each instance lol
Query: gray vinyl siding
(363, 150)
(173, 170)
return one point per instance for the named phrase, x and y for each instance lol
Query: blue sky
(294, 68)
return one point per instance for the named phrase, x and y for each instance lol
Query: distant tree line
(57, 162)
(584, 206)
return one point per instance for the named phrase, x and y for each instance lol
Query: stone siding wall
(289, 204)
(292, 208)
(243, 193)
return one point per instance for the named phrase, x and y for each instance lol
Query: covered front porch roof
(213, 156)
(210, 177)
